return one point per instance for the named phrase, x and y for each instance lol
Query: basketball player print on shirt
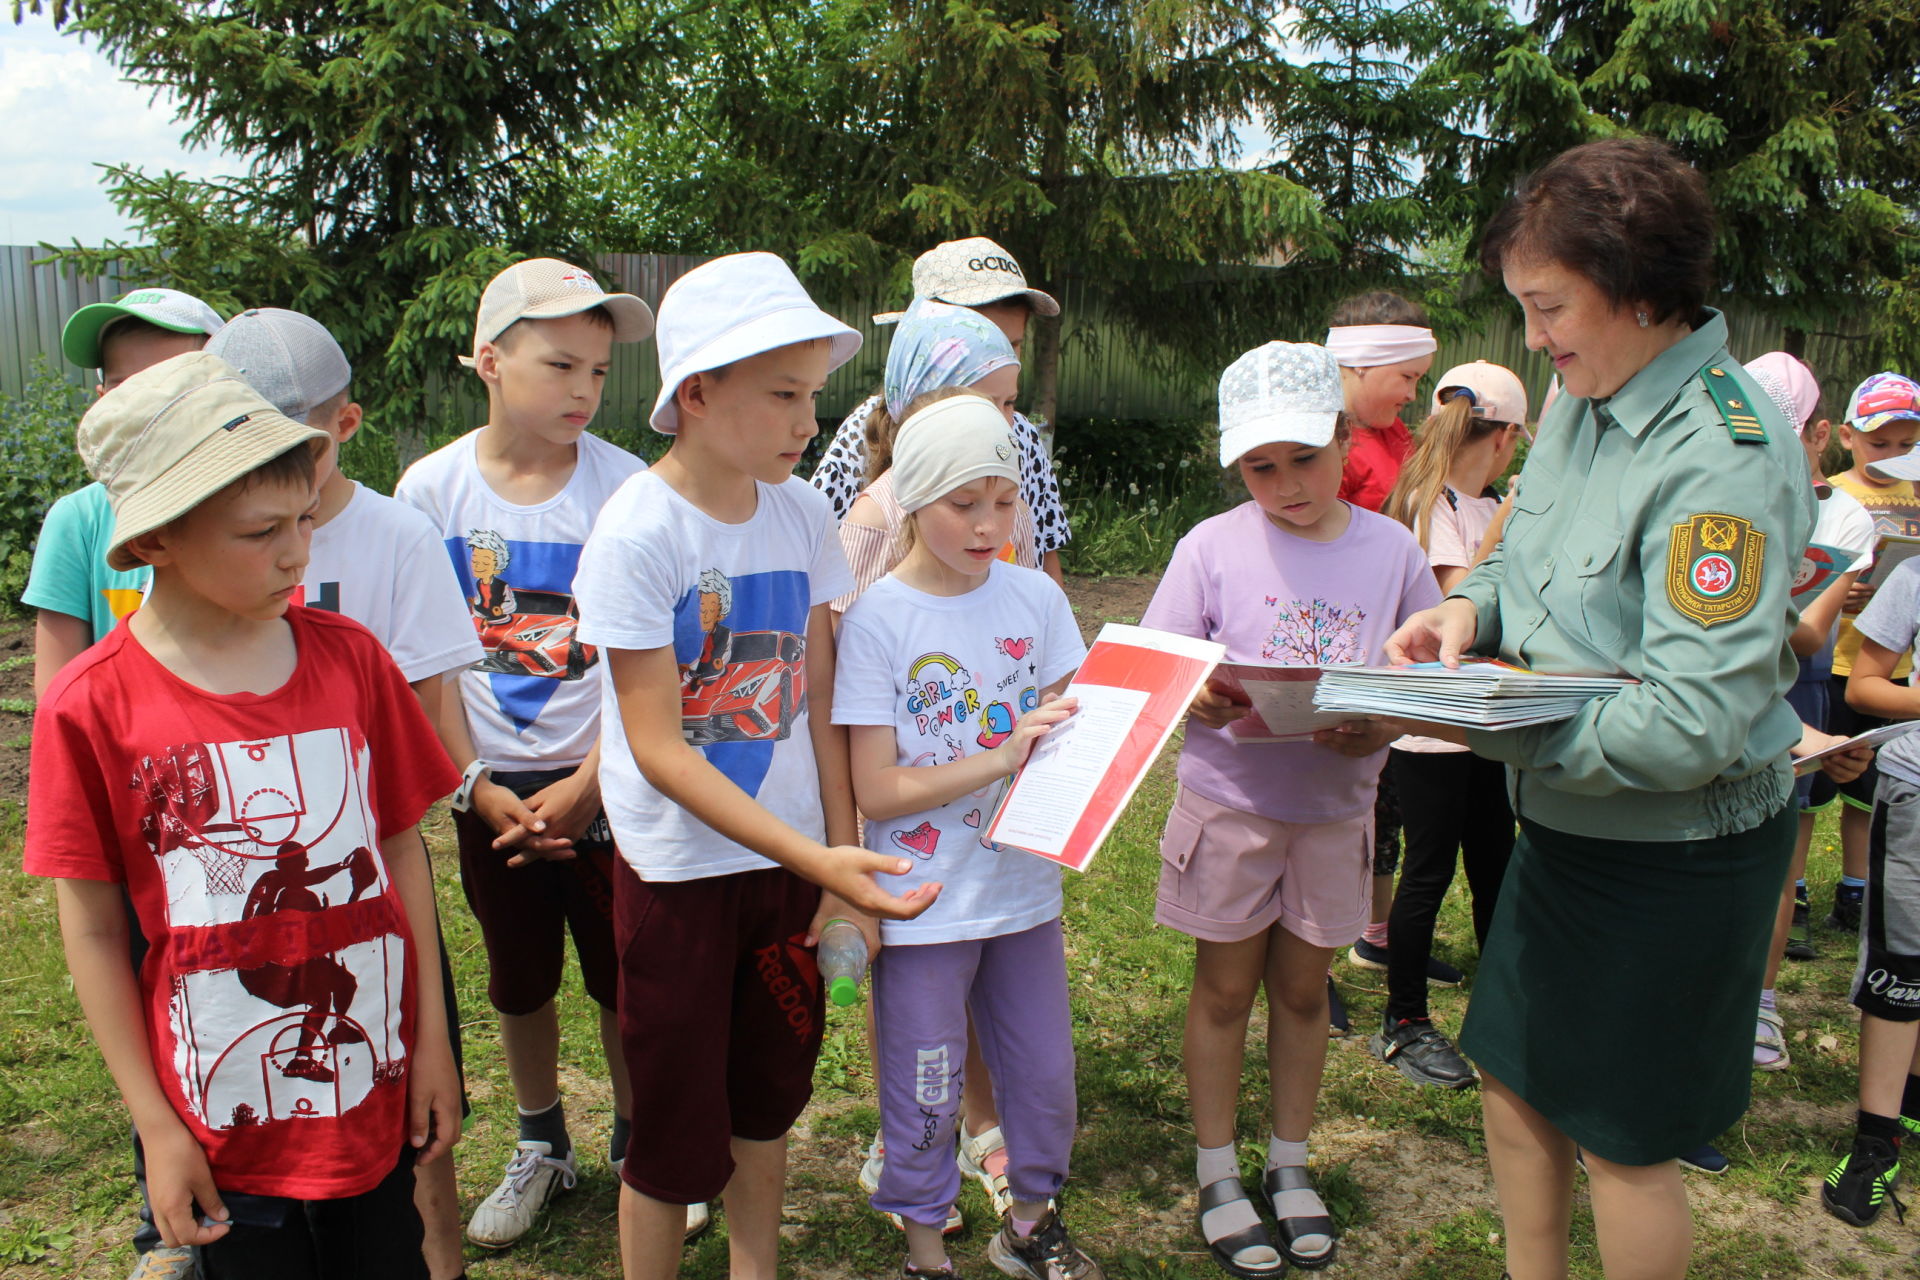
(287, 1001)
(1314, 633)
(741, 646)
(521, 597)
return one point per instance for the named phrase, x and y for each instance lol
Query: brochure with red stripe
(1133, 688)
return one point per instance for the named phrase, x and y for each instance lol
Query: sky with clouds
(66, 110)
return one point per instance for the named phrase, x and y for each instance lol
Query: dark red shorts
(720, 1019)
(526, 912)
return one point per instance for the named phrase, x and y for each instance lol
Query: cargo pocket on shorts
(1181, 837)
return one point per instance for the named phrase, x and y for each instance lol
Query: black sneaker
(1706, 1158)
(1799, 941)
(1422, 1054)
(1862, 1184)
(1336, 1010)
(1364, 955)
(1048, 1254)
(1845, 915)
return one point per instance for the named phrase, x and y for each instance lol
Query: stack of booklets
(1478, 695)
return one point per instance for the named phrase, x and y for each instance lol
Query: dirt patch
(1097, 601)
(16, 707)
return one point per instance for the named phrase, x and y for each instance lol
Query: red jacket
(1374, 462)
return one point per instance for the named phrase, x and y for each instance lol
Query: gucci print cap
(971, 273)
(549, 289)
(1284, 392)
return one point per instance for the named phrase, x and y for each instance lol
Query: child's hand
(178, 1178)
(1215, 708)
(506, 813)
(1440, 634)
(1032, 727)
(1358, 737)
(849, 873)
(562, 811)
(834, 907)
(433, 1100)
(1847, 765)
(1857, 596)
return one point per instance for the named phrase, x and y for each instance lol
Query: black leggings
(1449, 800)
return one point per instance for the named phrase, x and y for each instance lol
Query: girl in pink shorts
(1265, 856)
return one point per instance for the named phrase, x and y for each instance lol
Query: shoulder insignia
(1736, 404)
(1713, 567)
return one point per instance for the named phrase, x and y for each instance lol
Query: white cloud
(67, 110)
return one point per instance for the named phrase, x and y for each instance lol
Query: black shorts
(1887, 982)
(721, 1012)
(526, 912)
(1845, 721)
(372, 1236)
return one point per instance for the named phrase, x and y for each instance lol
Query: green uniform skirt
(1618, 987)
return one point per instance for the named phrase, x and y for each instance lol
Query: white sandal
(1771, 1033)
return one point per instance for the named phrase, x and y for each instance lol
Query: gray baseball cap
(287, 357)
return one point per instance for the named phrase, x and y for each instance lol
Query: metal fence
(1105, 371)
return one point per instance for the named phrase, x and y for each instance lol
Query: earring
(1643, 319)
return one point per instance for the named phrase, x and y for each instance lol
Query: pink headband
(1362, 346)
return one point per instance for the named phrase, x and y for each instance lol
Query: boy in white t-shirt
(379, 562)
(513, 502)
(707, 582)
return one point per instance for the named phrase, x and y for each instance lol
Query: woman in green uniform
(1656, 531)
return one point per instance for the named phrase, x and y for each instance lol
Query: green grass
(1403, 1169)
(1126, 528)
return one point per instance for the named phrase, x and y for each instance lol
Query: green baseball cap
(165, 308)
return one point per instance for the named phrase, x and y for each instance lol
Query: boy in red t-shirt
(253, 776)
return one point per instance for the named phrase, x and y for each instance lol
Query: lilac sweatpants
(1016, 985)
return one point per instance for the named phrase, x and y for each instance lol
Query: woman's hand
(1440, 634)
(1215, 708)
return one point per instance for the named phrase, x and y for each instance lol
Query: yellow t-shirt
(1895, 510)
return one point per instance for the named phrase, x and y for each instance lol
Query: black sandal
(1224, 1192)
(1293, 1177)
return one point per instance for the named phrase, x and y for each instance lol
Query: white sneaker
(533, 1178)
(699, 1216)
(870, 1183)
(974, 1152)
(875, 1162)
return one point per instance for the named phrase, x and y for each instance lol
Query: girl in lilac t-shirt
(1265, 856)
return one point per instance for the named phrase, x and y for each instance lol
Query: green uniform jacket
(1655, 534)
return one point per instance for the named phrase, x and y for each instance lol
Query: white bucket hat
(732, 308)
(1284, 392)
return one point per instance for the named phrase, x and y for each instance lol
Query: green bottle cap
(844, 991)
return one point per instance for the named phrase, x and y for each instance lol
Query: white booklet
(1871, 738)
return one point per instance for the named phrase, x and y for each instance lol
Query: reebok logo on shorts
(791, 975)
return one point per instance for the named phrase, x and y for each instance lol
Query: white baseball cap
(1494, 390)
(172, 436)
(732, 308)
(549, 289)
(971, 273)
(287, 357)
(167, 309)
(1284, 392)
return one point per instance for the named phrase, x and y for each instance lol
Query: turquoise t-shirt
(70, 573)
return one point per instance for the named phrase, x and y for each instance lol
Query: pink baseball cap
(1777, 369)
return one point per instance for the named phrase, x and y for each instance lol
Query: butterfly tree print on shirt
(1312, 633)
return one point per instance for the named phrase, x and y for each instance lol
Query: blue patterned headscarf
(940, 345)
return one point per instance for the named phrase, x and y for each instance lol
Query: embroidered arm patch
(1713, 567)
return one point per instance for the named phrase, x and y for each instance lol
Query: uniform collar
(1647, 393)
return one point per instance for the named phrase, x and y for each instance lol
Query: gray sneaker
(1048, 1254)
(164, 1262)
